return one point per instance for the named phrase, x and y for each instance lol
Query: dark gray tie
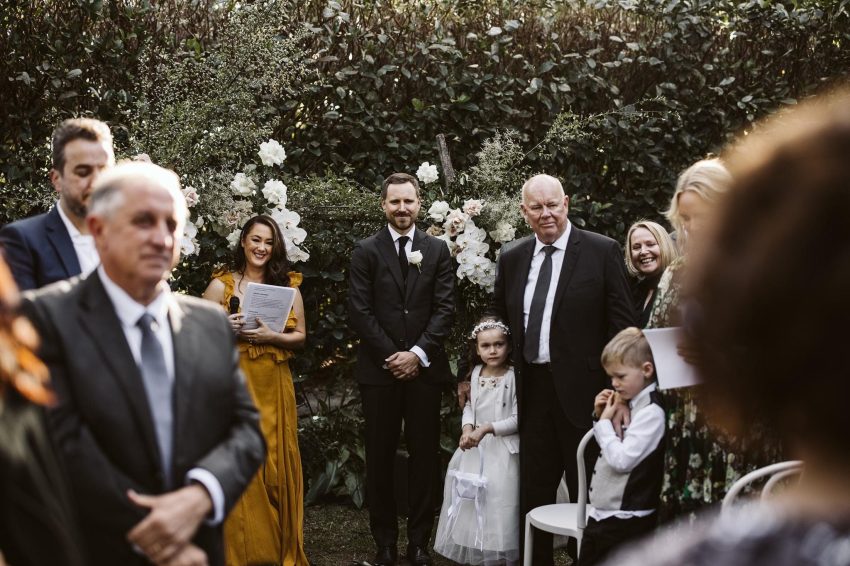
(531, 349)
(402, 256)
(158, 388)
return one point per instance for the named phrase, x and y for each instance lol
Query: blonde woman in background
(648, 251)
(701, 461)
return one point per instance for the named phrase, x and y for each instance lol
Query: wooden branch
(446, 160)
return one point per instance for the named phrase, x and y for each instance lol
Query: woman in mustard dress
(266, 524)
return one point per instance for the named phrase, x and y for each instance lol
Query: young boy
(627, 477)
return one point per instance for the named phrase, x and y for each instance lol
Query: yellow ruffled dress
(266, 525)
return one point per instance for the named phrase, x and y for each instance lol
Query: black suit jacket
(39, 250)
(390, 316)
(103, 425)
(592, 303)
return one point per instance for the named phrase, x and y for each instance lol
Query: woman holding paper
(701, 461)
(266, 525)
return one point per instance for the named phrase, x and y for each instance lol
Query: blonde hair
(629, 347)
(666, 246)
(708, 178)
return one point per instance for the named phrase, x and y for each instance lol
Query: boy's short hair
(629, 347)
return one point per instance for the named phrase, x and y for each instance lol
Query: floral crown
(489, 325)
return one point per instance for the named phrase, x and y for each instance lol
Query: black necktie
(402, 256)
(158, 388)
(531, 349)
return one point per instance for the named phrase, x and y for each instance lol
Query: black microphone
(234, 305)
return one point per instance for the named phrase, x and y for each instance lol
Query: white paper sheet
(270, 303)
(671, 370)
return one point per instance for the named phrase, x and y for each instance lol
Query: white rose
(427, 173)
(191, 196)
(242, 185)
(438, 210)
(271, 153)
(473, 207)
(455, 222)
(233, 237)
(415, 258)
(275, 193)
(504, 232)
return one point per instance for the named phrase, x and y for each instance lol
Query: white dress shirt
(83, 245)
(408, 248)
(639, 440)
(537, 258)
(129, 312)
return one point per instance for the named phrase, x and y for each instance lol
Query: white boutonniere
(415, 258)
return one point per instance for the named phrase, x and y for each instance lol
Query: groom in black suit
(564, 293)
(153, 421)
(401, 304)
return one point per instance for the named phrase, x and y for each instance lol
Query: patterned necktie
(531, 349)
(158, 388)
(402, 256)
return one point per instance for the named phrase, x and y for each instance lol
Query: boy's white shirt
(639, 440)
(506, 426)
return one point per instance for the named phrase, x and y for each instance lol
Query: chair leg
(529, 534)
(578, 544)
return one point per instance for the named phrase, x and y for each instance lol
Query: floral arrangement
(245, 200)
(474, 248)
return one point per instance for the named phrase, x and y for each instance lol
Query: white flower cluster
(467, 241)
(427, 173)
(271, 153)
(244, 188)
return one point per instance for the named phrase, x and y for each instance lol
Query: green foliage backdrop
(613, 96)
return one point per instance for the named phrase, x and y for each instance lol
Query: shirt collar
(69, 226)
(127, 309)
(646, 391)
(395, 235)
(560, 243)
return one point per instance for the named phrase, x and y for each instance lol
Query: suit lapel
(421, 243)
(567, 267)
(59, 238)
(186, 349)
(100, 321)
(387, 248)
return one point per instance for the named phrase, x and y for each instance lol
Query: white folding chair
(567, 519)
(775, 474)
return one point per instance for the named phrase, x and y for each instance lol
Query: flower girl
(479, 521)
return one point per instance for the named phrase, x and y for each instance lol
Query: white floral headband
(489, 325)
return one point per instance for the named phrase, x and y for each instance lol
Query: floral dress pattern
(701, 461)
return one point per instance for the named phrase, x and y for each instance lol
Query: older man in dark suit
(401, 304)
(154, 423)
(57, 245)
(565, 293)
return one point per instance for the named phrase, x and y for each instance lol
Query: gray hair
(107, 194)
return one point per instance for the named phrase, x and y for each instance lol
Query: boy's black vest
(637, 490)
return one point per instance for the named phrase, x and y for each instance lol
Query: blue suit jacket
(39, 250)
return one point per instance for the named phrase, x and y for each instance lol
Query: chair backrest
(581, 501)
(775, 472)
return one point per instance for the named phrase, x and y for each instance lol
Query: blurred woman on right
(701, 460)
(773, 323)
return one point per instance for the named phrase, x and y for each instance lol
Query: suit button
(406, 311)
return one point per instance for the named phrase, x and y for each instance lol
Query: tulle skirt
(496, 541)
